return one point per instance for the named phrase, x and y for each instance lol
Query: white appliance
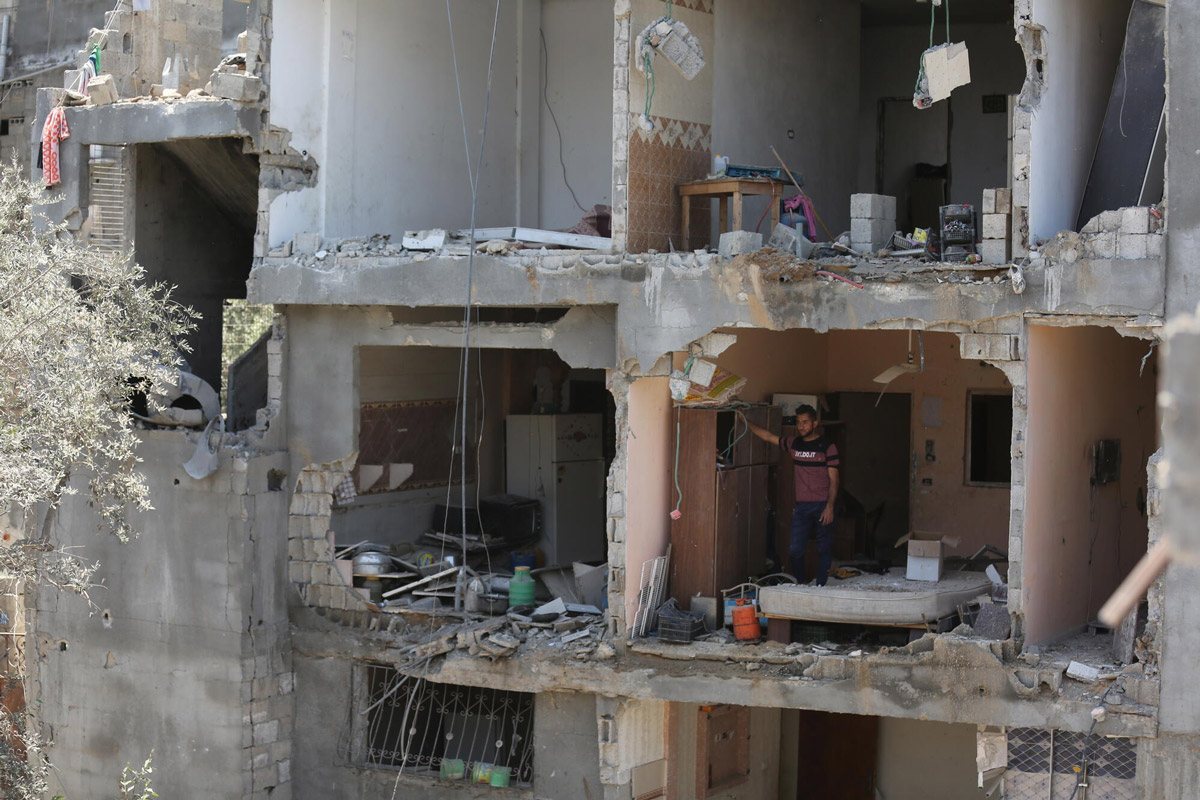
(559, 460)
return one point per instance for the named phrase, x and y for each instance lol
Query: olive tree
(81, 331)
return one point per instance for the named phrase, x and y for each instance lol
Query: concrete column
(1183, 158)
(622, 10)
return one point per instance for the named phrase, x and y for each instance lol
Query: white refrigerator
(558, 459)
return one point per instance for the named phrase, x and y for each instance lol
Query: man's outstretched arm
(763, 433)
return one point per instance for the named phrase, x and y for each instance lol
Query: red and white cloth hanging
(54, 131)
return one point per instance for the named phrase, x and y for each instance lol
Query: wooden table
(723, 189)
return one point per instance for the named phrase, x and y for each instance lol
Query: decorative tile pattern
(705, 6)
(676, 151)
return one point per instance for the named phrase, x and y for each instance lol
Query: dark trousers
(806, 520)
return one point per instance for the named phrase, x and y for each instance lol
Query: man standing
(815, 466)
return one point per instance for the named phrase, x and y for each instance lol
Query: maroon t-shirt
(811, 461)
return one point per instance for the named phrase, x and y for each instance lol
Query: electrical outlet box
(1106, 461)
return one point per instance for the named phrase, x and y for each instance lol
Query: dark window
(989, 439)
(3, 127)
(417, 726)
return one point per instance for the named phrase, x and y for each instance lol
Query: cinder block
(306, 243)
(236, 86)
(869, 235)
(1104, 245)
(1135, 220)
(995, 251)
(995, 226)
(996, 201)
(735, 243)
(872, 206)
(1132, 245)
(1154, 245)
(790, 240)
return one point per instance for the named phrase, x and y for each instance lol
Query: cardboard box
(925, 552)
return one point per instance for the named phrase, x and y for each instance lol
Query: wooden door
(756, 519)
(836, 758)
(692, 535)
(729, 557)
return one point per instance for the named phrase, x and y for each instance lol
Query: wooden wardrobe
(720, 540)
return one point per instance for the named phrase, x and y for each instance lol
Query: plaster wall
(575, 70)
(161, 668)
(297, 99)
(1081, 540)
(675, 96)
(385, 125)
(1083, 40)
(566, 759)
(805, 362)
(926, 761)
(649, 492)
(804, 77)
(979, 142)
(763, 780)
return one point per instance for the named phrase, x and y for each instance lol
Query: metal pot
(370, 563)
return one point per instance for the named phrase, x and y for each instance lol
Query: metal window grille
(1042, 765)
(414, 725)
(108, 180)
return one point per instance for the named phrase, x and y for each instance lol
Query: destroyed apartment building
(499, 499)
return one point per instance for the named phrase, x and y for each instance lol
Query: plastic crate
(679, 629)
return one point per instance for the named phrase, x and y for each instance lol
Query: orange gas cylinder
(745, 621)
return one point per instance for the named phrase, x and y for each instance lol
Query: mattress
(888, 599)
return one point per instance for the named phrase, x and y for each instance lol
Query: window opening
(989, 439)
(446, 730)
(108, 179)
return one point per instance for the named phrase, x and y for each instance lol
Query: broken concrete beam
(995, 226)
(869, 235)
(102, 90)
(736, 243)
(425, 240)
(996, 201)
(239, 87)
(790, 240)
(872, 206)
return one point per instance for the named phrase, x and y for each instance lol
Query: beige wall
(1080, 540)
(926, 761)
(649, 490)
(801, 361)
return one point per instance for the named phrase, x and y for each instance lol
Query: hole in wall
(275, 479)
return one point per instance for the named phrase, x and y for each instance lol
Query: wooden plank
(540, 237)
(422, 582)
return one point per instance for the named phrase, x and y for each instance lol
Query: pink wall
(1083, 385)
(804, 362)
(648, 467)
